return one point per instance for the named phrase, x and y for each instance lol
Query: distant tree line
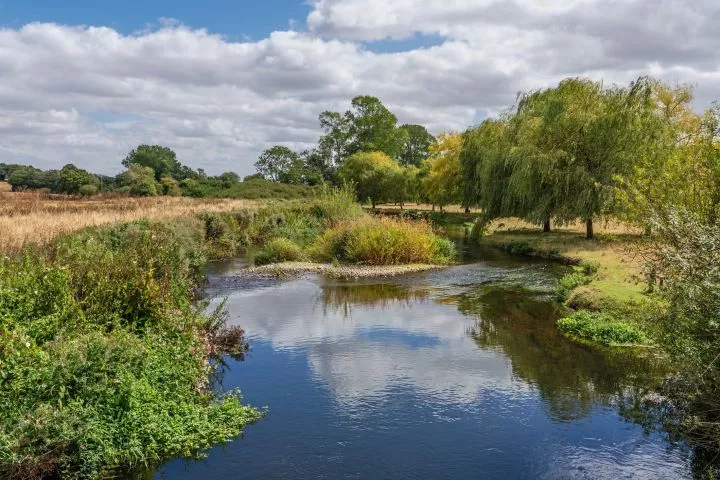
(150, 170)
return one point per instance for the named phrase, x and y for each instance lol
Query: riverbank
(105, 358)
(606, 292)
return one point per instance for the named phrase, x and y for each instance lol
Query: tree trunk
(589, 227)
(546, 226)
(467, 209)
(373, 204)
(433, 207)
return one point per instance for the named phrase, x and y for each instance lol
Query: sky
(219, 81)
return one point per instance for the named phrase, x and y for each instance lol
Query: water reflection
(450, 374)
(570, 377)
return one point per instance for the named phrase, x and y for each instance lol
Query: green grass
(104, 357)
(601, 328)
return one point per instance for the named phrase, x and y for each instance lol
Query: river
(457, 373)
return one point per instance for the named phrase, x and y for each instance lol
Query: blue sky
(236, 19)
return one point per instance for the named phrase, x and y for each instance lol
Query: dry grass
(425, 207)
(36, 218)
(5, 187)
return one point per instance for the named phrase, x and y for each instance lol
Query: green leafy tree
(161, 159)
(417, 146)
(280, 164)
(374, 175)
(334, 145)
(71, 178)
(373, 128)
(138, 180)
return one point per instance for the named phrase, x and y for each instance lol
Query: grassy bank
(605, 291)
(104, 357)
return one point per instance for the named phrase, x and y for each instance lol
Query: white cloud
(88, 94)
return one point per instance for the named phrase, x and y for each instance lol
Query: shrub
(278, 250)
(600, 328)
(384, 241)
(568, 283)
(337, 205)
(88, 190)
(103, 357)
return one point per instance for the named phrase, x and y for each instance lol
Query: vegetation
(384, 241)
(37, 219)
(104, 363)
(600, 328)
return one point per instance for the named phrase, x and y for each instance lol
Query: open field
(36, 218)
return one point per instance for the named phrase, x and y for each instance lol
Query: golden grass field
(37, 218)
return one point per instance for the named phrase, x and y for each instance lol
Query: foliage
(601, 328)
(278, 250)
(138, 180)
(280, 164)
(569, 282)
(103, 358)
(417, 145)
(442, 181)
(161, 160)
(559, 153)
(384, 241)
(72, 178)
(373, 174)
(373, 128)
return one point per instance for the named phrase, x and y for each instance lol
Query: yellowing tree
(374, 175)
(441, 184)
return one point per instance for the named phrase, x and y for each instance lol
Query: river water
(452, 374)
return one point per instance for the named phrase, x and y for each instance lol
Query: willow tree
(587, 138)
(483, 171)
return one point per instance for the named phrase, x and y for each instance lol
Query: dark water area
(453, 374)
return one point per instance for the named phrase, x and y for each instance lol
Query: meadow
(39, 218)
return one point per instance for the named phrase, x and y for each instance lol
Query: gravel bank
(339, 271)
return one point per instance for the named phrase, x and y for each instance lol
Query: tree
(280, 164)
(334, 145)
(374, 175)
(417, 145)
(372, 127)
(228, 179)
(71, 178)
(442, 183)
(138, 180)
(483, 170)
(161, 159)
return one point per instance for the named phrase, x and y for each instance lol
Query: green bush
(568, 283)
(104, 358)
(384, 241)
(600, 328)
(278, 250)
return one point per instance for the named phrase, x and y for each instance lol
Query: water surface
(452, 374)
